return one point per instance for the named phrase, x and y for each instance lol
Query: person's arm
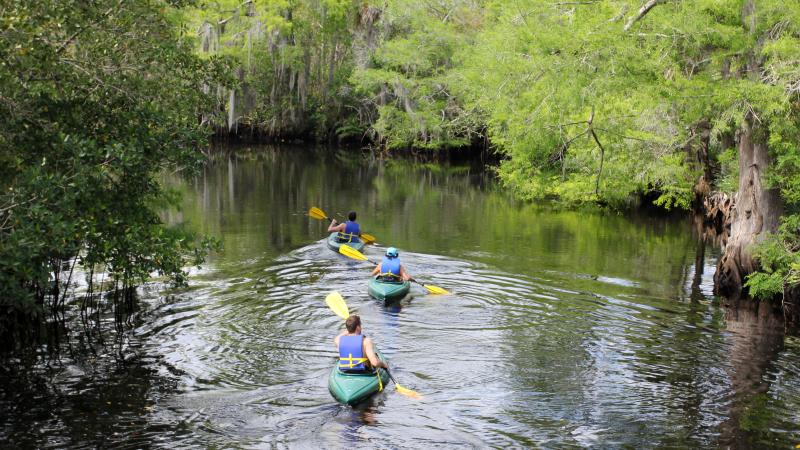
(369, 350)
(334, 227)
(376, 270)
(336, 341)
(403, 274)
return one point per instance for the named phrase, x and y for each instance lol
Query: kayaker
(390, 268)
(348, 231)
(356, 351)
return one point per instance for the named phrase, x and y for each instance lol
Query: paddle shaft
(415, 281)
(319, 214)
(391, 377)
(355, 254)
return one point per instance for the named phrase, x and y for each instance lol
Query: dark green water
(565, 329)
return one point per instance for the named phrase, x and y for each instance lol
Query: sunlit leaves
(410, 76)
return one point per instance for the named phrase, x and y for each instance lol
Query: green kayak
(388, 290)
(334, 244)
(353, 388)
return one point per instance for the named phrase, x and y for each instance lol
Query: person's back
(356, 351)
(390, 268)
(352, 230)
(351, 353)
(348, 231)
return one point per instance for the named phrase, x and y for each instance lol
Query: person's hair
(351, 216)
(352, 323)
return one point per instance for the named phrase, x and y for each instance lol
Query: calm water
(565, 329)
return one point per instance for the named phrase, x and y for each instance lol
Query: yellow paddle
(316, 213)
(350, 252)
(336, 303)
(432, 289)
(403, 390)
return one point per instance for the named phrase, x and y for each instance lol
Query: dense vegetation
(609, 102)
(97, 98)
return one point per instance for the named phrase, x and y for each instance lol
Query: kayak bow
(388, 290)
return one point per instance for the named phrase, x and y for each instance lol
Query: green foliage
(779, 260)
(97, 99)
(293, 61)
(643, 81)
(729, 170)
(765, 285)
(561, 75)
(784, 142)
(408, 79)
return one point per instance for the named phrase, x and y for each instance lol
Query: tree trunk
(756, 212)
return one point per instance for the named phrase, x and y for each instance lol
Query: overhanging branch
(642, 12)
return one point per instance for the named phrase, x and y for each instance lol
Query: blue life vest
(351, 353)
(350, 233)
(390, 266)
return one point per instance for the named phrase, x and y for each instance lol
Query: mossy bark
(755, 212)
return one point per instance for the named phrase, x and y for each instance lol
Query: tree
(97, 100)
(607, 101)
(293, 61)
(406, 77)
(581, 110)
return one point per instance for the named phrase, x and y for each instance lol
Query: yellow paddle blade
(435, 289)
(317, 213)
(350, 252)
(408, 392)
(368, 238)
(336, 303)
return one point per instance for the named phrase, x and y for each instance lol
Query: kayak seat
(389, 279)
(358, 372)
(347, 238)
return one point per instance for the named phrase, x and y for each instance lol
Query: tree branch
(602, 152)
(642, 12)
(602, 157)
(624, 136)
(82, 29)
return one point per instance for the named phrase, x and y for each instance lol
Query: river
(564, 328)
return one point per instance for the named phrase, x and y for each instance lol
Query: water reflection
(756, 339)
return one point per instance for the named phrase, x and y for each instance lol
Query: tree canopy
(97, 99)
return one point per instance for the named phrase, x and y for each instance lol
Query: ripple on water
(546, 358)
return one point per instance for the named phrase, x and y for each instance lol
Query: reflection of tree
(256, 199)
(696, 293)
(677, 365)
(554, 367)
(756, 340)
(93, 387)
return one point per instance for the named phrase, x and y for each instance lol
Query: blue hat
(391, 252)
